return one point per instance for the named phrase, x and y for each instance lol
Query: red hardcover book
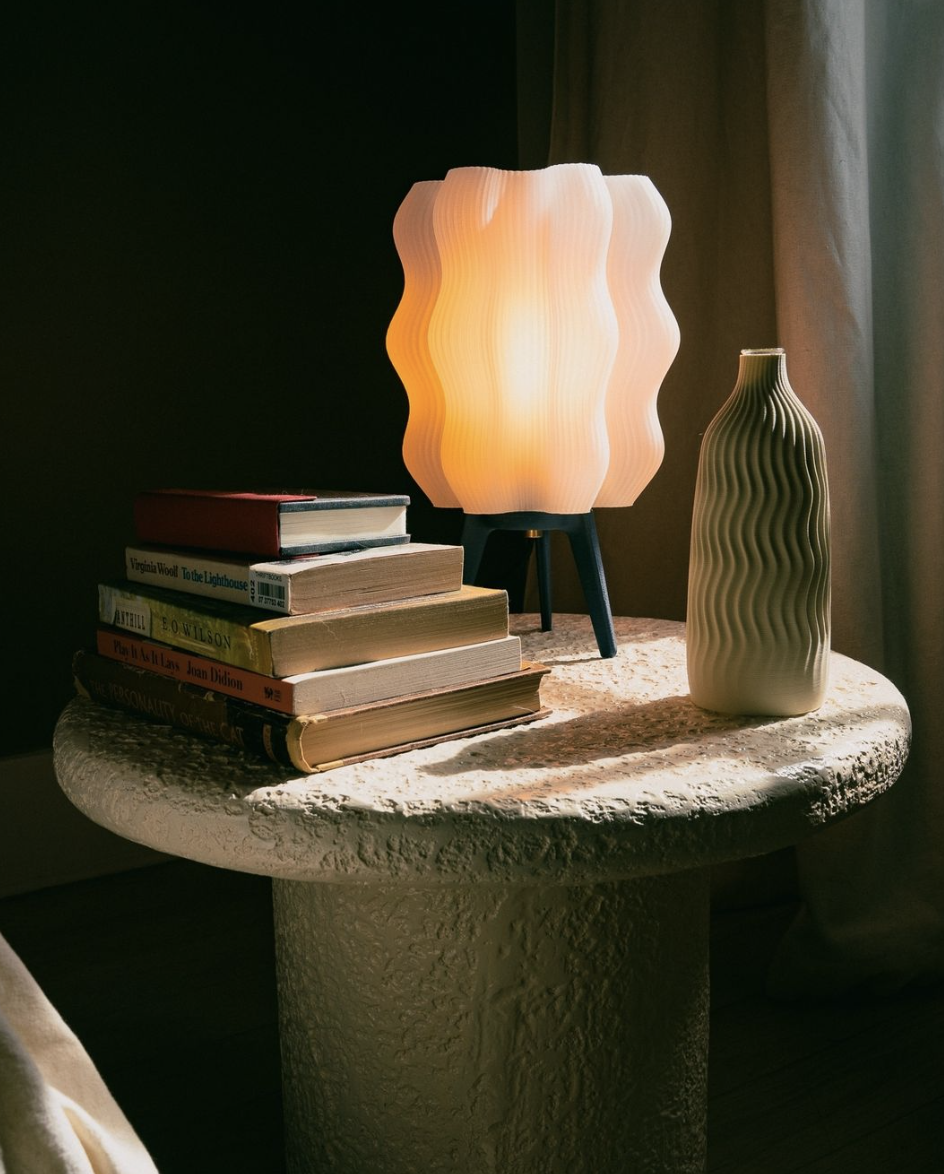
(275, 524)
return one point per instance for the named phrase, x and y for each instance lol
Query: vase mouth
(766, 350)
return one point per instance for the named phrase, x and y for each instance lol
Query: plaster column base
(494, 1028)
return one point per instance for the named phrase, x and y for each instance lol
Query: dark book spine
(216, 522)
(198, 711)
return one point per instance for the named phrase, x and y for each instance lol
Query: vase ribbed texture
(758, 624)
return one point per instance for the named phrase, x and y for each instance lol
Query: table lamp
(532, 338)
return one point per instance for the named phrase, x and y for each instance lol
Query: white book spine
(196, 573)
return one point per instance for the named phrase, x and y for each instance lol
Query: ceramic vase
(758, 623)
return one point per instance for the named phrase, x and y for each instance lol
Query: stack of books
(305, 627)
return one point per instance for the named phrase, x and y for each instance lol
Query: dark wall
(198, 268)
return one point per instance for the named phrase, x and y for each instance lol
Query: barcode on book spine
(264, 593)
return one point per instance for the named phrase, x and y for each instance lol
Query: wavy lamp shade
(532, 337)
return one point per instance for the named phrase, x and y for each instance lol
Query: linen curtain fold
(799, 145)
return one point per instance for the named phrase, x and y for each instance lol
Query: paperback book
(298, 585)
(281, 646)
(317, 741)
(326, 689)
(272, 524)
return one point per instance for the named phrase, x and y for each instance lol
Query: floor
(849, 1086)
(165, 973)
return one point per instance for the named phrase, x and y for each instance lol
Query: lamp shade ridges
(524, 336)
(648, 337)
(758, 633)
(532, 337)
(408, 342)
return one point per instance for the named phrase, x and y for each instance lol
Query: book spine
(170, 621)
(167, 661)
(191, 572)
(215, 522)
(198, 711)
(199, 573)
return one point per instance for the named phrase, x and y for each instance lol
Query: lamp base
(581, 530)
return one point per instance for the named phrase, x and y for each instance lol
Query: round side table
(493, 952)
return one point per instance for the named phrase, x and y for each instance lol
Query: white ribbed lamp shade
(532, 337)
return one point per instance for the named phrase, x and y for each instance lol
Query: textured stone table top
(625, 777)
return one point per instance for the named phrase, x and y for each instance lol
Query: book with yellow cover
(280, 646)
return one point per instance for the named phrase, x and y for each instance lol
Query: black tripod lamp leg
(475, 532)
(543, 550)
(586, 548)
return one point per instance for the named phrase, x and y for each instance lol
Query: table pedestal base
(494, 1029)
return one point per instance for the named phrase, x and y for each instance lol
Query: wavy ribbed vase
(532, 337)
(758, 625)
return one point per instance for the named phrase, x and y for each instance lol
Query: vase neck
(762, 368)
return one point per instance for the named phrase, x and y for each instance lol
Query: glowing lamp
(532, 338)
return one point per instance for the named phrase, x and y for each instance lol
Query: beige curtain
(799, 145)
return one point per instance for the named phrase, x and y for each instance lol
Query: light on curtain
(800, 143)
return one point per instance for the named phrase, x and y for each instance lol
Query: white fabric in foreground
(56, 1114)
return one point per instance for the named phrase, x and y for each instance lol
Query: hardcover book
(315, 742)
(294, 586)
(272, 524)
(328, 688)
(281, 646)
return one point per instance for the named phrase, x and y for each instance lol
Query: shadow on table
(642, 739)
(627, 728)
